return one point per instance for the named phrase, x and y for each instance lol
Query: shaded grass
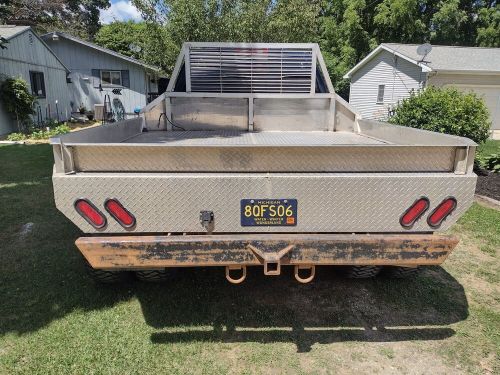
(53, 319)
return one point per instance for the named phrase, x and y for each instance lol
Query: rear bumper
(269, 250)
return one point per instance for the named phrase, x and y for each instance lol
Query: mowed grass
(54, 319)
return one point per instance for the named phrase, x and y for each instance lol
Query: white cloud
(122, 10)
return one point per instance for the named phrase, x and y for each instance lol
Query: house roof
(99, 48)
(442, 58)
(10, 31)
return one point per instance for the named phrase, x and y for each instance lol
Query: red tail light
(441, 212)
(120, 213)
(90, 213)
(414, 213)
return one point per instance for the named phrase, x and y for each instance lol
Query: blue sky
(120, 10)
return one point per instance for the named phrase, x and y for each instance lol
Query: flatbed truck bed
(216, 174)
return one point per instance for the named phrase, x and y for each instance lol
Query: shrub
(17, 137)
(46, 134)
(40, 134)
(444, 110)
(18, 101)
(491, 162)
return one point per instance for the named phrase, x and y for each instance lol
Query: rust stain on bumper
(136, 252)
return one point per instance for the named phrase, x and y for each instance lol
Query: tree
(347, 30)
(80, 17)
(150, 40)
(119, 36)
(345, 38)
(18, 101)
(400, 21)
(230, 20)
(488, 32)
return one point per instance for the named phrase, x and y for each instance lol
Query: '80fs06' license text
(268, 212)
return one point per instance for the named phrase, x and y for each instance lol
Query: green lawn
(53, 319)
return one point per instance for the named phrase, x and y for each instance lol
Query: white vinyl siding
(398, 76)
(25, 53)
(87, 65)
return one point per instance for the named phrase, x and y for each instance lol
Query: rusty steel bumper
(268, 250)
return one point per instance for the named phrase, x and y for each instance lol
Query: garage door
(491, 96)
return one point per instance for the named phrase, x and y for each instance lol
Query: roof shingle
(9, 31)
(450, 58)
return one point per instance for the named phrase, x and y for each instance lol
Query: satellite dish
(424, 49)
(134, 48)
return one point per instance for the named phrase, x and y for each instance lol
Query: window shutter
(96, 75)
(32, 83)
(125, 78)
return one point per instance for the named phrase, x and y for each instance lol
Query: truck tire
(156, 276)
(361, 272)
(104, 276)
(397, 272)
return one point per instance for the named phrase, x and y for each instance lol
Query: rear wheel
(104, 276)
(398, 272)
(156, 276)
(361, 272)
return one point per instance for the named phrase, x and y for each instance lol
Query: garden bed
(489, 186)
(488, 183)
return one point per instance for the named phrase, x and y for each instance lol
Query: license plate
(268, 212)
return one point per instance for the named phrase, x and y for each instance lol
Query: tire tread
(399, 272)
(362, 272)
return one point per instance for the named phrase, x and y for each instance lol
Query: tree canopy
(347, 30)
(78, 17)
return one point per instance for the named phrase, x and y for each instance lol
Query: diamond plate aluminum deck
(235, 138)
(369, 202)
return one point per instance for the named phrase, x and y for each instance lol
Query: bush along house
(392, 71)
(27, 56)
(104, 80)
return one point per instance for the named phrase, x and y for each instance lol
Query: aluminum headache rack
(254, 121)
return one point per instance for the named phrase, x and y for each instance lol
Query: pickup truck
(250, 158)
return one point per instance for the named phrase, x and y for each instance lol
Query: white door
(491, 97)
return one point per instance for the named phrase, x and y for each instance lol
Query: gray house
(28, 57)
(98, 74)
(392, 71)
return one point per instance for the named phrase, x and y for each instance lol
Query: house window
(111, 77)
(37, 84)
(380, 94)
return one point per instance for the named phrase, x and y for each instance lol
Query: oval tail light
(90, 213)
(120, 213)
(441, 212)
(414, 212)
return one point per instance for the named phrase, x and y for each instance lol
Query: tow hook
(271, 261)
(304, 280)
(230, 278)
